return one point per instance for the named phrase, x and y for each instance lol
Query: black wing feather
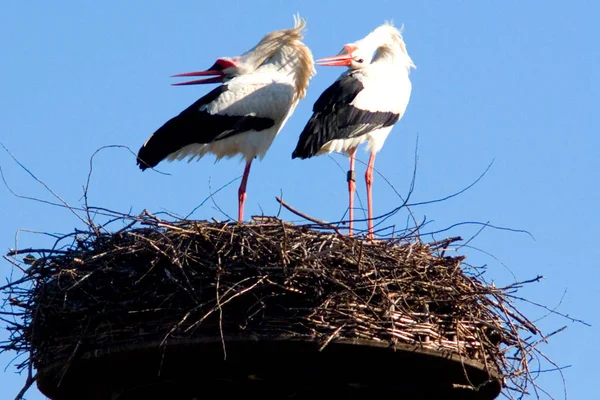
(335, 118)
(195, 126)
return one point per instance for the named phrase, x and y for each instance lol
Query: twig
(64, 203)
(30, 381)
(302, 215)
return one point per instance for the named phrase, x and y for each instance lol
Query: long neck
(394, 57)
(295, 62)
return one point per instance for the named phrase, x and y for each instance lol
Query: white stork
(260, 90)
(362, 105)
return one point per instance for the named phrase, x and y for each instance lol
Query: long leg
(242, 191)
(351, 177)
(369, 182)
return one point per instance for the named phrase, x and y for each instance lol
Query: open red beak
(215, 69)
(344, 59)
(208, 72)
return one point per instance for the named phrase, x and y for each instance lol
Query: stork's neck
(285, 61)
(393, 57)
(294, 61)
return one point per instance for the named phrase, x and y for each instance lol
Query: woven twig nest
(156, 284)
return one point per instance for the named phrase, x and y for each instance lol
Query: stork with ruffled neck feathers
(259, 91)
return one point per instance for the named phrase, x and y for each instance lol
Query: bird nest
(156, 280)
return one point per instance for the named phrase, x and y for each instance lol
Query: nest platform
(279, 368)
(193, 309)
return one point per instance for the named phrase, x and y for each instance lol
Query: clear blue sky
(510, 81)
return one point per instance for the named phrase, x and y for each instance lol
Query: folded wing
(336, 116)
(199, 123)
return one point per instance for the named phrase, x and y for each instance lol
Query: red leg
(369, 182)
(242, 191)
(351, 189)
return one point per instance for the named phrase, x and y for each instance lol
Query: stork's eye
(360, 61)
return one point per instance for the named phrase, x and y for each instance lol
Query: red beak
(215, 69)
(216, 79)
(335, 61)
(344, 59)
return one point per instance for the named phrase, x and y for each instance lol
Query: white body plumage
(267, 93)
(386, 88)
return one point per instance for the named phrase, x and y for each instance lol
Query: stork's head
(388, 42)
(223, 69)
(361, 53)
(352, 56)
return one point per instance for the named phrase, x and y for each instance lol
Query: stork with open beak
(362, 105)
(260, 90)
